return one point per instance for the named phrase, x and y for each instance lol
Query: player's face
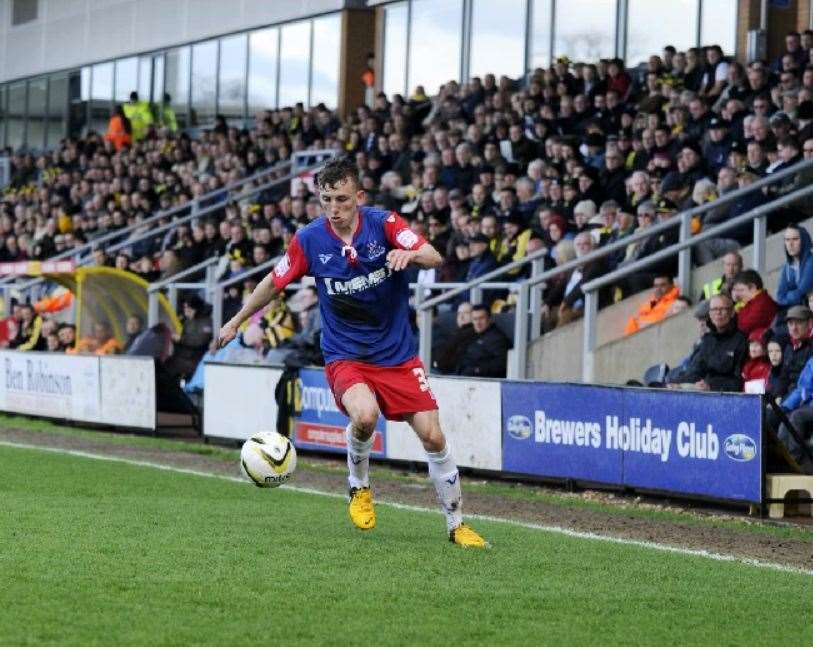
(340, 203)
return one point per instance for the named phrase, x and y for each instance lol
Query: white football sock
(358, 458)
(444, 474)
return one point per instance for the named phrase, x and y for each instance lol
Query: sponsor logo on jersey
(325, 258)
(407, 238)
(357, 283)
(374, 250)
(391, 218)
(282, 267)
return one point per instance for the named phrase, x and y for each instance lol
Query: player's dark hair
(479, 307)
(336, 171)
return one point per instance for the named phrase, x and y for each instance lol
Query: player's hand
(398, 259)
(227, 333)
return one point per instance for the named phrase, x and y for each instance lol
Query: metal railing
(315, 158)
(172, 284)
(529, 291)
(758, 215)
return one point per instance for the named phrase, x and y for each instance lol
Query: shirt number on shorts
(421, 375)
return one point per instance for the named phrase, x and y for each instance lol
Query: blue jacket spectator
(797, 274)
(803, 393)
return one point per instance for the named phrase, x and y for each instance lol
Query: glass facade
(37, 109)
(204, 83)
(325, 60)
(395, 48)
(584, 30)
(57, 109)
(497, 38)
(435, 44)
(447, 38)
(541, 32)
(15, 126)
(232, 77)
(176, 83)
(295, 47)
(652, 26)
(718, 24)
(263, 58)
(127, 77)
(237, 75)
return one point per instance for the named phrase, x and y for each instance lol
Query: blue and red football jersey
(363, 303)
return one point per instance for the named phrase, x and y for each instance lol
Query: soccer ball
(268, 459)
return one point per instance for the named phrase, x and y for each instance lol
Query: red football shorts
(399, 390)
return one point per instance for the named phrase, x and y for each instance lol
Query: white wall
(69, 33)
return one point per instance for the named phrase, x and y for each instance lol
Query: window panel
(37, 92)
(231, 94)
(541, 33)
(101, 94)
(16, 115)
(585, 29)
(176, 82)
(262, 70)
(395, 47)
(127, 79)
(144, 78)
(204, 83)
(293, 69)
(158, 78)
(497, 38)
(718, 24)
(78, 96)
(3, 117)
(653, 25)
(435, 43)
(57, 106)
(325, 61)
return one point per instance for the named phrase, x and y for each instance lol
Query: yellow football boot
(466, 536)
(362, 512)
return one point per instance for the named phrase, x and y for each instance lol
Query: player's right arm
(293, 265)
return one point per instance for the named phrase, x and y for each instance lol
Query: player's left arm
(408, 247)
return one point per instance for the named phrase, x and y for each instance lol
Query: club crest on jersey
(357, 283)
(282, 267)
(374, 250)
(407, 238)
(325, 258)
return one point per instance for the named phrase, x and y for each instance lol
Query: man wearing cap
(718, 147)
(799, 348)
(717, 365)
(678, 375)
(482, 262)
(676, 188)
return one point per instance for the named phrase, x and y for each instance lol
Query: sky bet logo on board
(739, 447)
(519, 427)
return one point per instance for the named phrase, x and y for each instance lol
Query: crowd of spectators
(570, 159)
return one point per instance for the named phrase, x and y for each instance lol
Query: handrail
(674, 221)
(591, 288)
(193, 205)
(218, 290)
(160, 285)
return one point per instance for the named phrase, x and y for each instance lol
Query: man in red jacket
(755, 307)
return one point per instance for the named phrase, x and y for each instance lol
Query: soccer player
(357, 254)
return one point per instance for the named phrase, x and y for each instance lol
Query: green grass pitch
(104, 553)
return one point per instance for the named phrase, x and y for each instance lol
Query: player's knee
(364, 420)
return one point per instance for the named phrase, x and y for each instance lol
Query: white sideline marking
(576, 534)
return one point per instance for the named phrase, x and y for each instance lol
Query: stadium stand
(574, 157)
